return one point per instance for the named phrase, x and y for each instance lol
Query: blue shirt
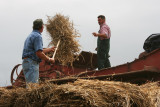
(32, 44)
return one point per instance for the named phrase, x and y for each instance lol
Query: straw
(61, 28)
(83, 93)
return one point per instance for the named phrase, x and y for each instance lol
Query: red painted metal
(86, 62)
(151, 60)
(86, 65)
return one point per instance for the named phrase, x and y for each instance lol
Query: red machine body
(138, 71)
(86, 61)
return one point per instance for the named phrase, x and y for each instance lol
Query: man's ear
(41, 30)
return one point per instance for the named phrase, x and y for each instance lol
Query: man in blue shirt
(33, 52)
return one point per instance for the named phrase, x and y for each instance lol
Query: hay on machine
(60, 28)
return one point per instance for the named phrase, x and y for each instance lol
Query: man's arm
(104, 33)
(100, 35)
(46, 50)
(41, 55)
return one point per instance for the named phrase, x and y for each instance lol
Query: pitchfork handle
(56, 49)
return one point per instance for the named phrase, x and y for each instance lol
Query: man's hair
(101, 16)
(37, 24)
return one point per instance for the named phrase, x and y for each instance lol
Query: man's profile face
(100, 21)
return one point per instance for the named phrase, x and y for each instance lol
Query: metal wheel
(14, 70)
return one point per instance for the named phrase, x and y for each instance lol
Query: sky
(130, 21)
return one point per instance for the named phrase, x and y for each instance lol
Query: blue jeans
(30, 70)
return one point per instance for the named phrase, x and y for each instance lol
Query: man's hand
(51, 60)
(95, 34)
(52, 49)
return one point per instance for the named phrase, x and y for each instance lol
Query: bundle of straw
(153, 91)
(8, 97)
(61, 28)
(83, 93)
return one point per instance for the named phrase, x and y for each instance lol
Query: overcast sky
(131, 22)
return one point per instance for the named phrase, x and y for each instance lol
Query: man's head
(101, 19)
(38, 25)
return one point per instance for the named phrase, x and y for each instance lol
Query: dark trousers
(103, 47)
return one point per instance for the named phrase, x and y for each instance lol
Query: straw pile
(61, 28)
(153, 91)
(83, 93)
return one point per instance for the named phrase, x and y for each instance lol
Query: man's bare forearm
(99, 35)
(46, 50)
(42, 56)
